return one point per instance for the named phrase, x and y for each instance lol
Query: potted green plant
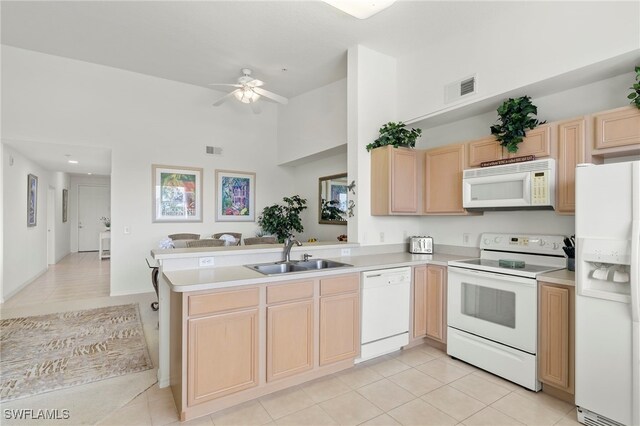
(635, 94)
(515, 116)
(281, 220)
(396, 134)
(106, 221)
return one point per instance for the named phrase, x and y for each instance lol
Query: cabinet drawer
(223, 301)
(337, 285)
(287, 292)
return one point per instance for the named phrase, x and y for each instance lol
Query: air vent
(460, 89)
(214, 150)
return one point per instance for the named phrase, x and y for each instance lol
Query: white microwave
(530, 185)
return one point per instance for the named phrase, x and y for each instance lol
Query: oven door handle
(530, 282)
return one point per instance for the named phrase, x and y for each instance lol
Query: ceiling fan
(248, 91)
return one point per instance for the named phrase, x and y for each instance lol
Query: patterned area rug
(48, 352)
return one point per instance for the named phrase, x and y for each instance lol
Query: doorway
(93, 204)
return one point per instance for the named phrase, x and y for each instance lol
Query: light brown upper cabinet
(571, 152)
(395, 181)
(617, 128)
(537, 142)
(481, 150)
(443, 179)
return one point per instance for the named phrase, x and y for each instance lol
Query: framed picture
(235, 196)
(32, 200)
(65, 204)
(177, 194)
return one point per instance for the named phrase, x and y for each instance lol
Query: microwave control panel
(539, 188)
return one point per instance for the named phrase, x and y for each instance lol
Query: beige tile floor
(420, 386)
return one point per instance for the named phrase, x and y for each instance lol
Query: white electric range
(493, 310)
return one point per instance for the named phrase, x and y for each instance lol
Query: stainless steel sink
(277, 268)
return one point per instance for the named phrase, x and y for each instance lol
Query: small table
(102, 253)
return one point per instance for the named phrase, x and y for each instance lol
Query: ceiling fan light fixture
(246, 95)
(361, 9)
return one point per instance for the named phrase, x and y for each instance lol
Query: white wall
(520, 43)
(76, 181)
(24, 248)
(144, 120)
(313, 122)
(306, 185)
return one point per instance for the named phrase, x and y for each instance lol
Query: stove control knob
(556, 246)
(542, 242)
(497, 239)
(487, 241)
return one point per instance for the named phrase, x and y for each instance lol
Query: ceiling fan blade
(224, 98)
(270, 95)
(255, 108)
(224, 84)
(255, 83)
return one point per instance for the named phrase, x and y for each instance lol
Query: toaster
(422, 245)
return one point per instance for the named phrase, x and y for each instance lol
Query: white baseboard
(128, 293)
(23, 285)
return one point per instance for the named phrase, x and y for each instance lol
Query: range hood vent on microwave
(529, 166)
(520, 186)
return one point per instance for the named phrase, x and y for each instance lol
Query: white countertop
(230, 276)
(561, 276)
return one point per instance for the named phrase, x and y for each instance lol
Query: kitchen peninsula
(230, 334)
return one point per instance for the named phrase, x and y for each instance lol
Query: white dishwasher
(385, 311)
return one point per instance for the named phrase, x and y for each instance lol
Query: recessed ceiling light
(89, 173)
(361, 9)
(73, 161)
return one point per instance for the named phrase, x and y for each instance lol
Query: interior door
(51, 223)
(93, 203)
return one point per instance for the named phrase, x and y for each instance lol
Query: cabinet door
(436, 303)
(404, 181)
(537, 142)
(419, 301)
(555, 357)
(486, 149)
(289, 339)
(222, 355)
(571, 151)
(339, 327)
(443, 183)
(619, 127)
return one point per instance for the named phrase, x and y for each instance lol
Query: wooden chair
(209, 242)
(260, 240)
(235, 235)
(175, 237)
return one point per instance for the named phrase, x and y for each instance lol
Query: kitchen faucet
(289, 242)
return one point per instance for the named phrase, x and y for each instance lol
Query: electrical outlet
(204, 262)
(127, 230)
(345, 252)
(382, 237)
(465, 239)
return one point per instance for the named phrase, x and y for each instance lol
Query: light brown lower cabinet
(430, 302)
(289, 339)
(339, 327)
(233, 345)
(556, 336)
(222, 355)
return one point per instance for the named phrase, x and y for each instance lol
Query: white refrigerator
(607, 339)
